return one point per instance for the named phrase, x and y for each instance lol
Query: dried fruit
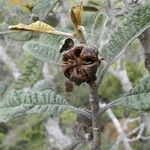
(83, 128)
(68, 86)
(80, 64)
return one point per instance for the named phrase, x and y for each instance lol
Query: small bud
(68, 86)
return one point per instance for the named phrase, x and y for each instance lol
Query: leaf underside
(138, 98)
(17, 103)
(129, 29)
(45, 51)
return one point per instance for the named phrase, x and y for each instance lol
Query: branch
(48, 76)
(94, 102)
(56, 137)
(118, 127)
(7, 60)
(121, 74)
(142, 128)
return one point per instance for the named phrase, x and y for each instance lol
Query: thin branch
(134, 131)
(121, 73)
(108, 106)
(142, 128)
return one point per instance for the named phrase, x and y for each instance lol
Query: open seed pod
(80, 64)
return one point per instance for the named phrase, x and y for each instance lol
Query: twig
(108, 106)
(142, 128)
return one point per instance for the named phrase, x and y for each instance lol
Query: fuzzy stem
(94, 102)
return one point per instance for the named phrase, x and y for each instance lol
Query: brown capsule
(80, 64)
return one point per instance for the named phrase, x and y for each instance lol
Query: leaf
(42, 8)
(30, 74)
(90, 9)
(75, 14)
(98, 28)
(129, 29)
(36, 26)
(41, 85)
(41, 27)
(139, 97)
(17, 103)
(43, 52)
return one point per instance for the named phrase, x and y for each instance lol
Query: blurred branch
(110, 12)
(118, 127)
(142, 126)
(47, 75)
(121, 74)
(145, 42)
(7, 60)
(56, 137)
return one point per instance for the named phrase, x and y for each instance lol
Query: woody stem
(93, 97)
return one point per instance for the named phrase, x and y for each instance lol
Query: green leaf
(17, 103)
(129, 29)
(139, 97)
(98, 28)
(46, 49)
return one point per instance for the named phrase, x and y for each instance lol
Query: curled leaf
(37, 26)
(75, 14)
(40, 27)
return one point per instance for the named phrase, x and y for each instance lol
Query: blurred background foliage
(28, 132)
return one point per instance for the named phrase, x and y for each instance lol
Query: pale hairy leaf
(41, 85)
(19, 102)
(98, 28)
(139, 97)
(130, 28)
(43, 7)
(43, 52)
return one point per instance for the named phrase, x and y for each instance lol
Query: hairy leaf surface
(129, 29)
(98, 28)
(47, 50)
(139, 97)
(17, 103)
